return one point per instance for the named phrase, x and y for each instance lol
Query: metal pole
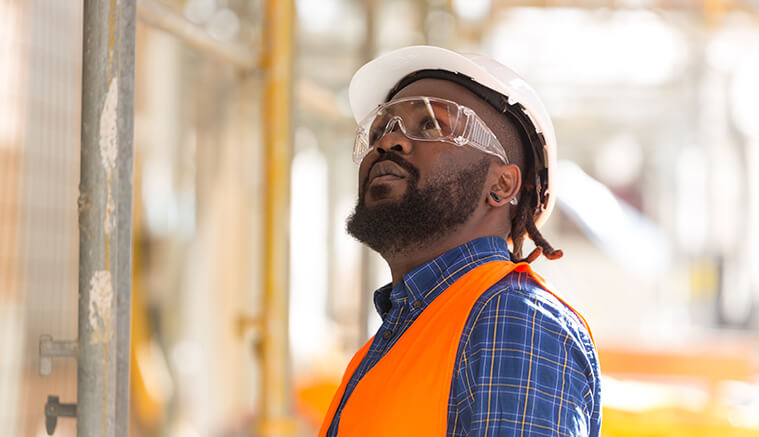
(276, 402)
(105, 217)
(161, 17)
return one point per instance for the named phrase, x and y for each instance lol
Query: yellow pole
(276, 398)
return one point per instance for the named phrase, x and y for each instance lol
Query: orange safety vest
(406, 393)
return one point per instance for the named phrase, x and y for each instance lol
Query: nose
(393, 139)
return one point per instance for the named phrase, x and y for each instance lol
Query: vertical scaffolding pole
(105, 217)
(276, 403)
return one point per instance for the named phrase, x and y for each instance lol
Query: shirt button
(387, 334)
(417, 304)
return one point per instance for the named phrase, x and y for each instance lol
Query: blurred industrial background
(241, 326)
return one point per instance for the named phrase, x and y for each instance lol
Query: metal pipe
(162, 17)
(276, 402)
(105, 217)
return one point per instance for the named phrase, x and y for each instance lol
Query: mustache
(390, 156)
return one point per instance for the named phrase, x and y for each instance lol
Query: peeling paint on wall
(101, 304)
(109, 147)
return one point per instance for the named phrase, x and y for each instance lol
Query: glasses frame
(475, 132)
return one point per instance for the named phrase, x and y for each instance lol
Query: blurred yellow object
(148, 402)
(149, 380)
(278, 55)
(675, 391)
(671, 422)
(704, 278)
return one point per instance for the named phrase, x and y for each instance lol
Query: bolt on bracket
(53, 410)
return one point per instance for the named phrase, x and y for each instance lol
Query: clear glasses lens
(425, 119)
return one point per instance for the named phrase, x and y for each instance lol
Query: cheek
(443, 155)
(434, 167)
(445, 163)
(433, 154)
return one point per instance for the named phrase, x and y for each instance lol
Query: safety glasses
(426, 119)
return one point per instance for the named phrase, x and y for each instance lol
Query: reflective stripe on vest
(406, 393)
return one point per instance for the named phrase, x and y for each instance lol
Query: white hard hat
(370, 85)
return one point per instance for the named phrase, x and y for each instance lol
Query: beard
(421, 216)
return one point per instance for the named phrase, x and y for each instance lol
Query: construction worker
(456, 158)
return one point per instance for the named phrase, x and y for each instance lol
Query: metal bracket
(50, 348)
(53, 410)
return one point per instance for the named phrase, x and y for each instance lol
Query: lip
(385, 178)
(386, 171)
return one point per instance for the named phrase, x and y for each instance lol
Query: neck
(409, 258)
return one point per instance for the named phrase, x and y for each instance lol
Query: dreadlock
(522, 221)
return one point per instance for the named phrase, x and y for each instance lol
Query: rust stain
(107, 265)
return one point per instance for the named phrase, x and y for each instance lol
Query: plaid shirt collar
(422, 285)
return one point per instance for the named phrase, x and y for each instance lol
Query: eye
(431, 128)
(376, 130)
(374, 135)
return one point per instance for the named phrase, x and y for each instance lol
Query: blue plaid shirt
(526, 365)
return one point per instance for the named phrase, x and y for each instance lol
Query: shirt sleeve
(524, 369)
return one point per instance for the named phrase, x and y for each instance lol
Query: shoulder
(526, 352)
(518, 319)
(520, 302)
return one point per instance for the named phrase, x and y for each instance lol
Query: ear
(506, 185)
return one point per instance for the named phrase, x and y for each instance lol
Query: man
(456, 156)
